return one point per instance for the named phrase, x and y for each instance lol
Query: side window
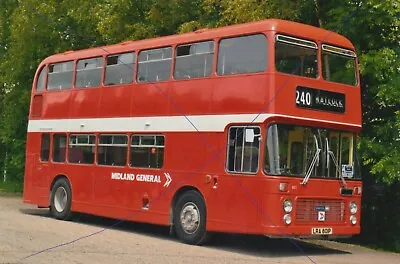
(147, 151)
(246, 54)
(243, 149)
(60, 75)
(59, 147)
(112, 150)
(119, 68)
(154, 65)
(41, 81)
(81, 149)
(88, 72)
(45, 147)
(194, 60)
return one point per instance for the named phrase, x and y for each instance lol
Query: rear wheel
(60, 200)
(190, 218)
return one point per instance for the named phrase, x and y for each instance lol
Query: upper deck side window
(120, 68)
(154, 65)
(41, 80)
(339, 65)
(246, 54)
(296, 56)
(194, 60)
(60, 75)
(88, 72)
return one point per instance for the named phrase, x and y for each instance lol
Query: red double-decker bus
(249, 128)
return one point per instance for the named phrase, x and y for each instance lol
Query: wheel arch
(178, 194)
(59, 176)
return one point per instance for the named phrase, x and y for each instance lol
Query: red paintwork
(240, 203)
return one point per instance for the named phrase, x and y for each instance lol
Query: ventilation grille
(307, 210)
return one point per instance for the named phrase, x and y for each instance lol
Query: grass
(11, 187)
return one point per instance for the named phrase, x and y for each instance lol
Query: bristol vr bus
(248, 128)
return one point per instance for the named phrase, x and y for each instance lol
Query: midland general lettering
(137, 177)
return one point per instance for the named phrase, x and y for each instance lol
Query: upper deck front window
(339, 65)
(296, 56)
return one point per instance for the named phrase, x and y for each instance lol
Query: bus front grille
(307, 210)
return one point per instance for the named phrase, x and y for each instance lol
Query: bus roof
(277, 25)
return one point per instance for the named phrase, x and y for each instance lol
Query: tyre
(190, 218)
(60, 200)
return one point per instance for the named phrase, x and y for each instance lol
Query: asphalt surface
(29, 235)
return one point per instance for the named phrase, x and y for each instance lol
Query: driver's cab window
(295, 151)
(243, 149)
(300, 151)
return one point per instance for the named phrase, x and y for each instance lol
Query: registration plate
(321, 231)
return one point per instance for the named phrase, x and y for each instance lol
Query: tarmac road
(26, 230)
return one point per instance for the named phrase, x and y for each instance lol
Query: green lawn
(11, 187)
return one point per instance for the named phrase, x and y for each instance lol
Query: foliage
(31, 30)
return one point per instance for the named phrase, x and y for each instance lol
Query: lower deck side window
(147, 151)
(112, 150)
(59, 147)
(81, 149)
(45, 147)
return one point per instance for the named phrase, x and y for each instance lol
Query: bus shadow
(42, 212)
(244, 244)
(106, 223)
(270, 247)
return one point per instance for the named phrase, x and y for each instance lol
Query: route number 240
(303, 98)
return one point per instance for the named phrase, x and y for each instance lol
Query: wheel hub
(190, 218)
(60, 199)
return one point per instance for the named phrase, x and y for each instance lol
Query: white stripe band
(201, 123)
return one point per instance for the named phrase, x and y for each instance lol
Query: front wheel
(190, 218)
(60, 200)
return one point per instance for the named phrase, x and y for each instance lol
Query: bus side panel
(121, 102)
(190, 97)
(56, 104)
(84, 102)
(36, 176)
(241, 95)
(234, 205)
(29, 191)
(150, 99)
(231, 199)
(80, 177)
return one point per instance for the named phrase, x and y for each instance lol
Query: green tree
(374, 29)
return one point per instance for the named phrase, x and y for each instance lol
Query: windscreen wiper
(335, 162)
(313, 162)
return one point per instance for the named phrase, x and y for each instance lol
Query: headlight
(353, 220)
(353, 207)
(287, 219)
(287, 206)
